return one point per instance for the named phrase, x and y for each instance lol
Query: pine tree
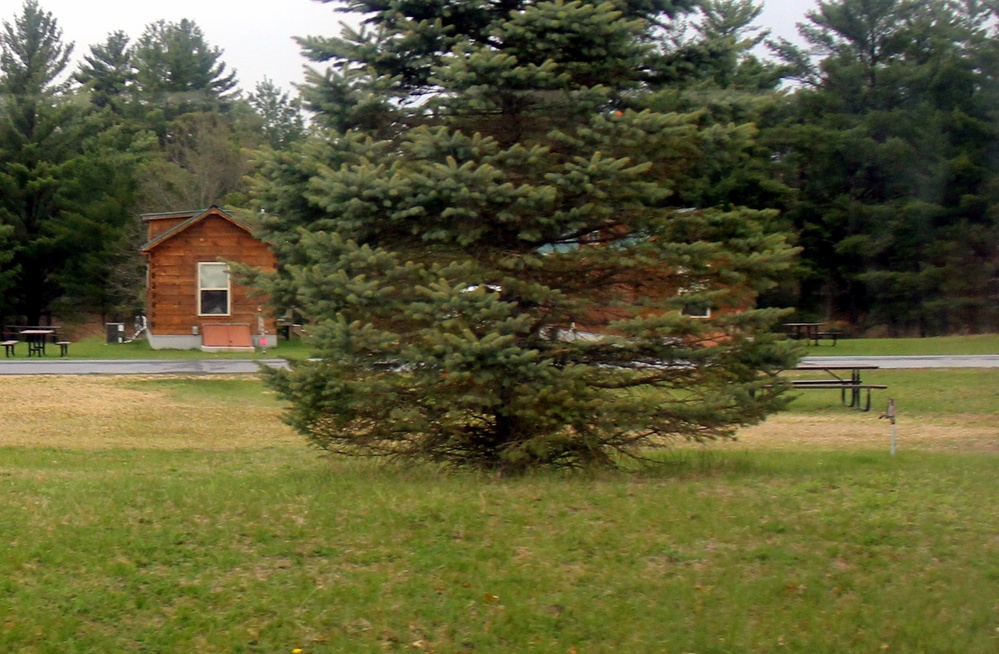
(177, 71)
(889, 148)
(192, 103)
(101, 270)
(279, 113)
(107, 73)
(7, 274)
(502, 245)
(36, 128)
(65, 177)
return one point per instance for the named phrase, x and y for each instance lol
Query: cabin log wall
(173, 275)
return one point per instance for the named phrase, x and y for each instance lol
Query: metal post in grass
(890, 414)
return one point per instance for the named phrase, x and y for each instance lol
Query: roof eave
(190, 222)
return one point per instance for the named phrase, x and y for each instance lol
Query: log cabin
(192, 299)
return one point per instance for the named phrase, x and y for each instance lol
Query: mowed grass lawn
(163, 514)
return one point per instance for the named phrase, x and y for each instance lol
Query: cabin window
(696, 310)
(213, 289)
(695, 307)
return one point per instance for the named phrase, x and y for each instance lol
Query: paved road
(244, 366)
(133, 366)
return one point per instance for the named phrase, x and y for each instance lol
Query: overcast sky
(256, 35)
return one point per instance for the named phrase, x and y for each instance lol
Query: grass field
(164, 514)
(982, 344)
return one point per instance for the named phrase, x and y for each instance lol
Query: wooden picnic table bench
(810, 332)
(36, 337)
(850, 387)
(830, 335)
(854, 389)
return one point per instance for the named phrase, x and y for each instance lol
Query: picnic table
(36, 339)
(809, 331)
(850, 386)
(36, 336)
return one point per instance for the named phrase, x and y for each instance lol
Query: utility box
(115, 332)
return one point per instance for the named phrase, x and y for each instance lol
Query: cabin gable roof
(189, 219)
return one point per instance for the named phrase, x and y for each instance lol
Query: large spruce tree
(504, 246)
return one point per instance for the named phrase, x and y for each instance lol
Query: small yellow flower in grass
(297, 650)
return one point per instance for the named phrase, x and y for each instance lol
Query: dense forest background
(875, 140)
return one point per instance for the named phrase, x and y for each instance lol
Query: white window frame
(697, 316)
(202, 288)
(685, 310)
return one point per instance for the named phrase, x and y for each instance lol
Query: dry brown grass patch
(853, 430)
(79, 412)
